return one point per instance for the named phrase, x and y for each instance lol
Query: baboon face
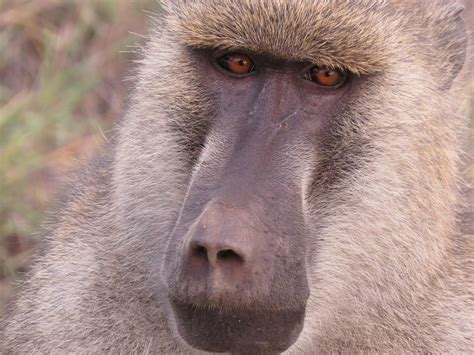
(281, 124)
(236, 259)
(240, 239)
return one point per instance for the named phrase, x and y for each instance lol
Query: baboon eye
(236, 63)
(326, 76)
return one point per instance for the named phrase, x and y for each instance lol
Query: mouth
(241, 331)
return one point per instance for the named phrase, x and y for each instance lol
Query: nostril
(204, 254)
(200, 251)
(228, 255)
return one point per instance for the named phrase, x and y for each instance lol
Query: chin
(241, 331)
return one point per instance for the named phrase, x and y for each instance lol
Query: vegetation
(62, 70)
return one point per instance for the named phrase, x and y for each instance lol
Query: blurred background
(63, 70)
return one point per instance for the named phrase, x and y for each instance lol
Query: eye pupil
(236, 63)
(325, 76)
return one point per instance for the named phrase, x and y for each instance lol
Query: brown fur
(388, 271)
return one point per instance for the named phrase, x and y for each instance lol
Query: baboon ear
(450, 40)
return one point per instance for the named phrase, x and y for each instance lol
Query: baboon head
(282, 169)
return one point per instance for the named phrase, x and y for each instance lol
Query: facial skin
(241, 232)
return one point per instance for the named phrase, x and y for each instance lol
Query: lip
(238, 331)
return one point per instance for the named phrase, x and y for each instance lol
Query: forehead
(356, 35)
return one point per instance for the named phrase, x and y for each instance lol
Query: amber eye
(236, 63)
(326, 76)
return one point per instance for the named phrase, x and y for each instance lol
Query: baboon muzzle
(239, 262)
(235, 274)
(236, 258)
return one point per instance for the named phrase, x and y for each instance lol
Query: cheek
(318, 120)
(321, 110)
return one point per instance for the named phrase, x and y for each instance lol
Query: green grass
(62, 65)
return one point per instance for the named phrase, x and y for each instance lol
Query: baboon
(286, 179)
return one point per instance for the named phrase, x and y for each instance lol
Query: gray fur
(387, 266)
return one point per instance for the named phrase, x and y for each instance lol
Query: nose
(213, 253)
(222, 239)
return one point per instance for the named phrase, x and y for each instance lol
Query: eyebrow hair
(294, 30)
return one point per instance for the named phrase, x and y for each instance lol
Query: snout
(237, 268)
(224, 250)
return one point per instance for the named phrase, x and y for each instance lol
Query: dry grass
(62, 65)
